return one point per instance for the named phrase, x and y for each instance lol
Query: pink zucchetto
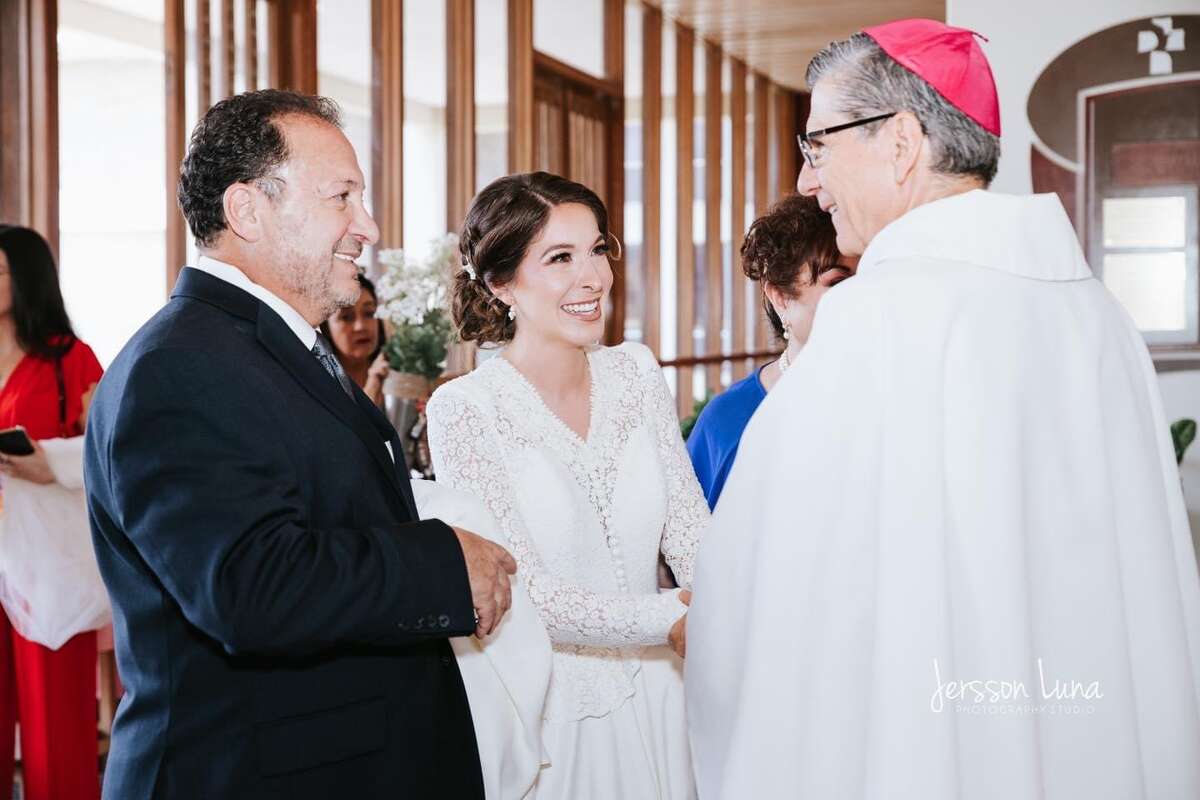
(947, 58)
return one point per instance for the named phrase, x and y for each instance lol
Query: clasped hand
(488, 568)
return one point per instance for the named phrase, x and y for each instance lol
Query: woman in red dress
(46, 377)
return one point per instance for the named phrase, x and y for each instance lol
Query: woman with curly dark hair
(792, 251)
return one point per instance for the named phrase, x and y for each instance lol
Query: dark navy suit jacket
(280, 614)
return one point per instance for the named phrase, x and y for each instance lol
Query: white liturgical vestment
(952, 558)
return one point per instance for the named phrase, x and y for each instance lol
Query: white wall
(1024, 37)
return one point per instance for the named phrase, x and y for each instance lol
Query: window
(1148, 260)
(424, 125)
(1140, 204)
(111, 155)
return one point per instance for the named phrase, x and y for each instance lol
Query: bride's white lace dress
(586, 521)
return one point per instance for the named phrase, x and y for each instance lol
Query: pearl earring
(512, 313)
(787, 331)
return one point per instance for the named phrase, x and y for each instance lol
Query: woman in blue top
(792, 251)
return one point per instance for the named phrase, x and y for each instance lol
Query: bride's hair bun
(504, 219)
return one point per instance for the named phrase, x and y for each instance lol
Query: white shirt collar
(231, 274)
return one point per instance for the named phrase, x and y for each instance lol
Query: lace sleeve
(466, 455)
(687, 510)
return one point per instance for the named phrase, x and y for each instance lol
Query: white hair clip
(467, 268)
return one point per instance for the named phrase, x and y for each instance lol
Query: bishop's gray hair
(871, 82)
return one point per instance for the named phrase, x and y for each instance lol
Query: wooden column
(785, 140)
(762, 139)
(175, 63)
(737, 115)
(520, 85)
(614, 71)
(460, 110)
(13, 160)
(762, 198)
(713, 256)
(29, 116)
(685, 277)
(652, 173)
(228, 50)
(250, 44)
(292, 29)
(802, 107)
(203, 49)
(387, 120)
(43, 127)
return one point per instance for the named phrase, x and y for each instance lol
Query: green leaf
(1183, 433)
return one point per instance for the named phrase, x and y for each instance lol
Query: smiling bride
(575, 449)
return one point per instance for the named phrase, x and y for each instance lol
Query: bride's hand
(677, 638)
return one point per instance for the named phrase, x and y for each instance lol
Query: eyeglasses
(813, 148)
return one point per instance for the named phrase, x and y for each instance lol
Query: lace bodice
(585, 520)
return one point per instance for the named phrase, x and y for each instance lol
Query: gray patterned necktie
(323, 350)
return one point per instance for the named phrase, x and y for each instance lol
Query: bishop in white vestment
(952, 558)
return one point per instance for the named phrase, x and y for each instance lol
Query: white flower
(409, 288)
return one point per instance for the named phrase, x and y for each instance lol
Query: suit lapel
(281, 342)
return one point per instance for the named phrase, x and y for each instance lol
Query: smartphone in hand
(15, 442)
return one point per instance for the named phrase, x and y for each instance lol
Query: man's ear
(908, 139)
(242, 203)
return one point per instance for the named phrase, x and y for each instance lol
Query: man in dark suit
(281, 614)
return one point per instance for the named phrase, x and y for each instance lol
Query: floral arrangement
(412, 299)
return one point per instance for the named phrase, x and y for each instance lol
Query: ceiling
(779, 37)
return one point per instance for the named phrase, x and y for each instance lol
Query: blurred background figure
(47, 377)
(792, 251)
(358, 338)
